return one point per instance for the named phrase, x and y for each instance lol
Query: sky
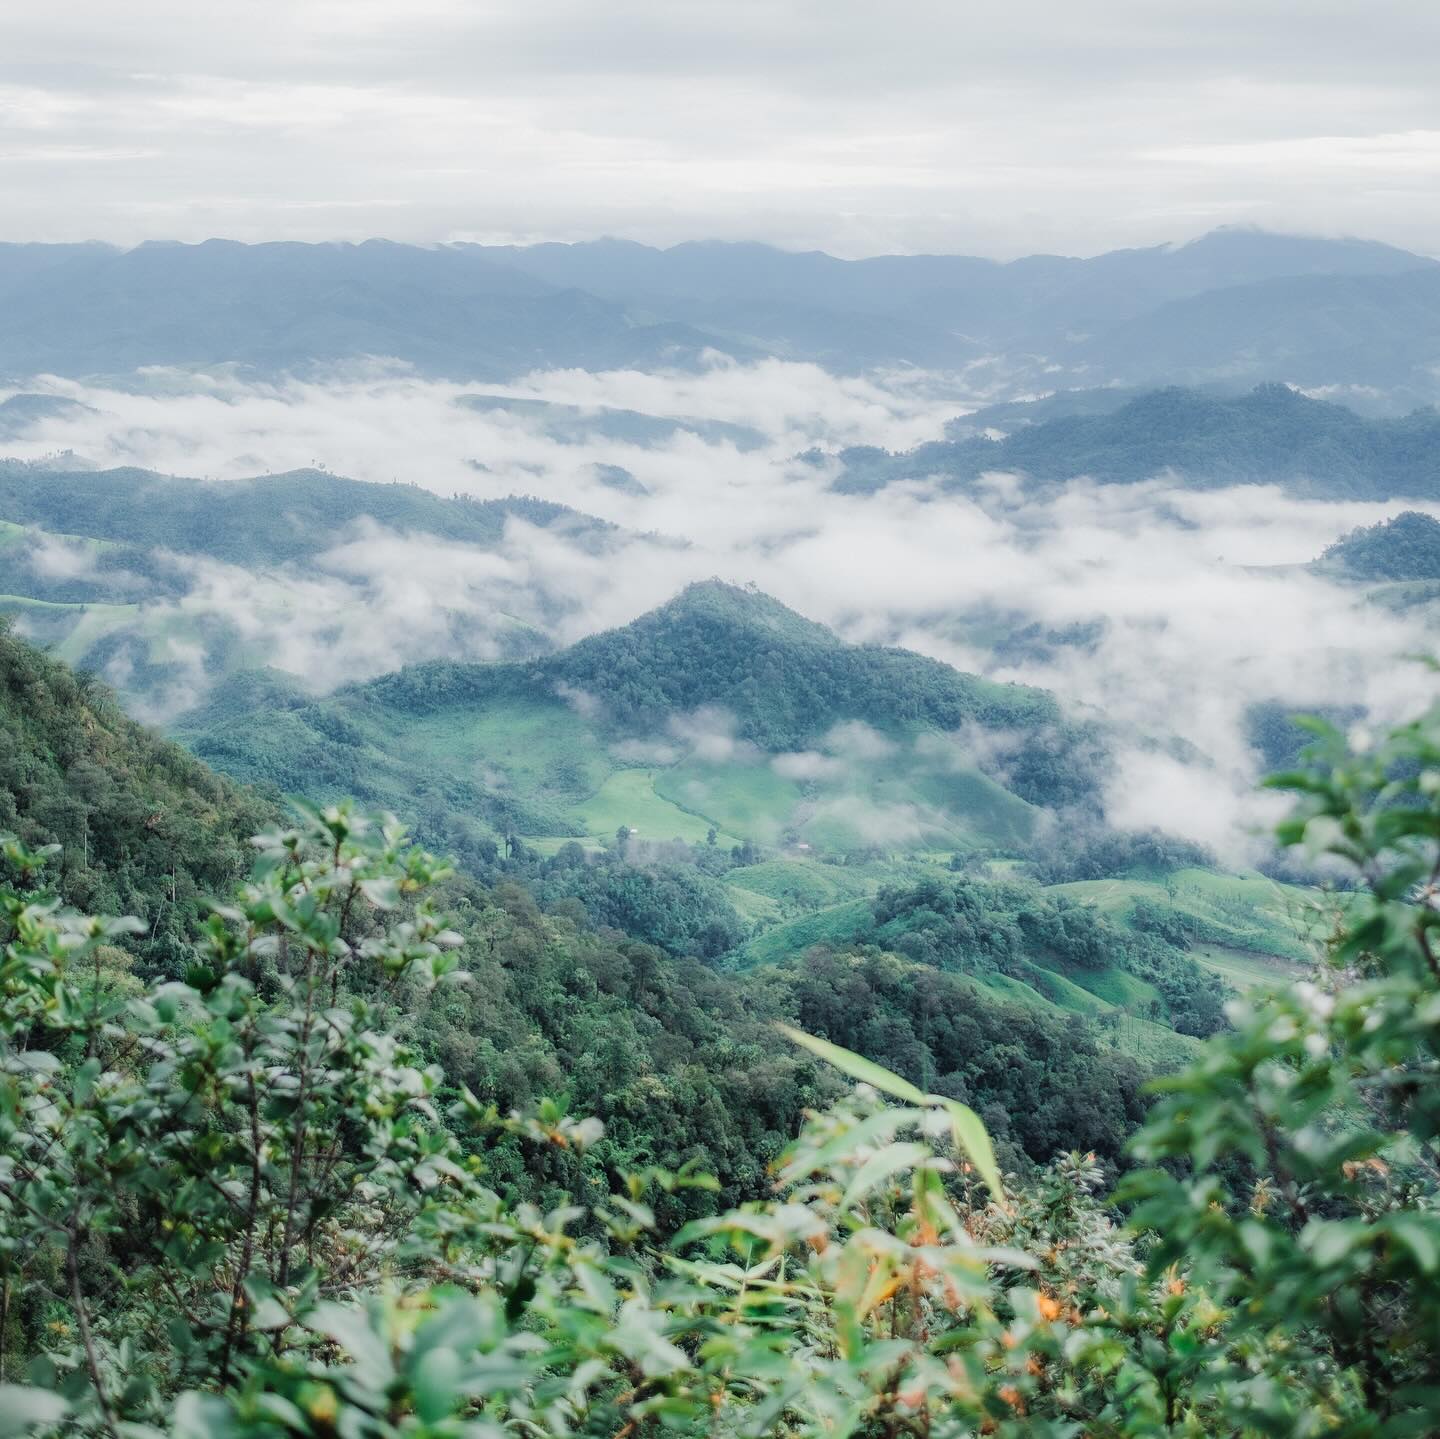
(853, 126)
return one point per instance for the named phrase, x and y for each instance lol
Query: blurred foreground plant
(233, 1206)
(1311, 1205)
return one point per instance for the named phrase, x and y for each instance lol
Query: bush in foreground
(237, 1205)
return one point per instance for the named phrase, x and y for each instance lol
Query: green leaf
(969, 1129)
(383, 893)
(269, 1313)
(857, 1067)
(1420, 1234)
(1332, 1241)
(201, 1416)
(22, 1408)
(973, 1140)
(350, 1329)
(435, 1383)
(881, 1166)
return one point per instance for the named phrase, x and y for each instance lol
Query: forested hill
(784, 679)
(146, 829)
(265, 520)
(721, 711)
(682, 1063)
(1273, 435)
(314, 1111)
(1406, 547)
(690, 703)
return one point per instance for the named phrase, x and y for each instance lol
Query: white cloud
(858, 742)
(874, 823)
(1222, 811)
(1194, 599)
(55, 558)
(586, 705)
(709, 735)
(860, 128)
(808, 765)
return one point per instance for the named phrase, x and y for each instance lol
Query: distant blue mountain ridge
(1233, 306)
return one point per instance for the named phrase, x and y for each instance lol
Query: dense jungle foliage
(247, 1203)
(975, 927)
(145, 829)
(591, 972)
(716, 643)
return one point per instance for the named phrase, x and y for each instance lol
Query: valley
(505, 748)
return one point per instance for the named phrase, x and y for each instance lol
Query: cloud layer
(1166, 612)
(859, 128)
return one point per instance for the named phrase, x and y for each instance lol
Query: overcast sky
(857, 126)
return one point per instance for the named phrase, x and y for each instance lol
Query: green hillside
(722, 711)
(514, 763)
(98, 563)
(680, 1059)
(1028, 944)
(329, 1183)
(1248, 913)
(143, 827)
(264, 521)
(786, 680)
(643, 772)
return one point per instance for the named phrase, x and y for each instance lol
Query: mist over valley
(719, 721)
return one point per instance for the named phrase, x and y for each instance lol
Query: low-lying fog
(1194, 600)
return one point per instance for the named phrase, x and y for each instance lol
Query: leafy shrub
(232, 1205)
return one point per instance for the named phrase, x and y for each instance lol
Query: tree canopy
(242, 1204)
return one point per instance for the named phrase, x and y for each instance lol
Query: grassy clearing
(786, 889)
(1117, 1000)
(1114, 987)
(1240, 912)
(745, 799)
(1154, 1044)
(13, 536)
(985, 812)
(628, 798)
(791, 882)
(1243, 968)
(835, 925)
(1058, 989)
(544, 750)
(908, 799)
(753, 907)
(69, 631)
(1148, 1040)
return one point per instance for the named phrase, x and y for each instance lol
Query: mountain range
(696, 862)
(145, 577)
(1234, 305)
(259, 520)
(99, 564)
(1198, 438)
